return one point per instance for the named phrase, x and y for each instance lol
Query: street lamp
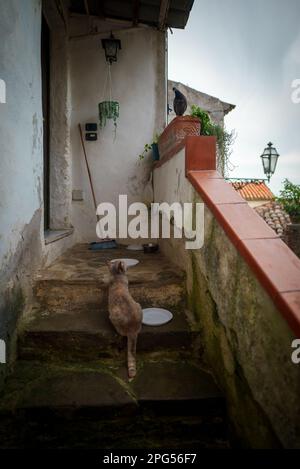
(111, 46)
(269, 160)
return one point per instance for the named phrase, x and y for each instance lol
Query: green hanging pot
(108, 110)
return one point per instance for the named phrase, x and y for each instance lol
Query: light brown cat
(124, 313)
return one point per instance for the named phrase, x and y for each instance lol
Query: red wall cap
(200, 153)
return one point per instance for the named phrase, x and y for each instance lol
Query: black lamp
(111, 46)
(269, 160)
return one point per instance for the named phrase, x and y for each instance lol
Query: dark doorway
(45, 58)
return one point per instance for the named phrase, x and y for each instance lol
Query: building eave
(160, 14)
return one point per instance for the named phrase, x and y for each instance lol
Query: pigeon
(179, 103)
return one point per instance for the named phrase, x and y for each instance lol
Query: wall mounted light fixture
(111, 46)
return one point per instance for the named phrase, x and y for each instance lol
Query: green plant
(289, 198)
(225, 139)
(148, 147)
(108, 110)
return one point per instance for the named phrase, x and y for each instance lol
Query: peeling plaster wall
(139, 85)
(60, 118)
(20, 159)
(246, 340)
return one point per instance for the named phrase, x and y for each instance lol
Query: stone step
(92, 405)
(88, 334)
(80, 277)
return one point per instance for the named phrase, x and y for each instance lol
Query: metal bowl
(150, 248)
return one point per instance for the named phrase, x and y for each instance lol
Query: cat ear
(121, 267)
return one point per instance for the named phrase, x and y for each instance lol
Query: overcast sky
(247, 53)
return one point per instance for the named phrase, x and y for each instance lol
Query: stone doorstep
(79, 265)
(105, 390)
(80, 277)
(89, 333)
(59, 295)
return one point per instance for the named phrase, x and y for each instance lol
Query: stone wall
(292, 237)
(245, 339)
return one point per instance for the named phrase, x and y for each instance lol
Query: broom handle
(87, 167)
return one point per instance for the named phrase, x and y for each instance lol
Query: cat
(124, 313)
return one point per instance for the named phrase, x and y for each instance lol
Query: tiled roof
(275, 216)
(253, 190)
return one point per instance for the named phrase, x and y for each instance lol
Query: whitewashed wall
(139, 84)
(21, 155)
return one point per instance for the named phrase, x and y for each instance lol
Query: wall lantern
(269, 160)
(111, 46)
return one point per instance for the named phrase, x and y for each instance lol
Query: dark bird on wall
(179, 103)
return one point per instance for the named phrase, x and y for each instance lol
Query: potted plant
(108, 110)
(151, 146)
(289, 198)
(224, 138)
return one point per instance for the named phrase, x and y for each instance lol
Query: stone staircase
(69, 388)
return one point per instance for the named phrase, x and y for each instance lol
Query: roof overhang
(160, 14)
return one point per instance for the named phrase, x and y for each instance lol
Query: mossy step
(88, 334)
(80, 278)
(93, 405)
(105, 384)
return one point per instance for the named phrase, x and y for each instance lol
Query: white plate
(156, 316)
(135, 247)
(128, 262)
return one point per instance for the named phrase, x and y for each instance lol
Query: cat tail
(131, 355)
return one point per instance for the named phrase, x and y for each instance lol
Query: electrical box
(91, 136)
(91, 127)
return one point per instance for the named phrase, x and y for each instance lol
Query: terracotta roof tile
(253, 190)
(275, 216)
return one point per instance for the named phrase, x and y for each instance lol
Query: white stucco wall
(20, 151)
(140, 87)
(169, 181)
(20, 119)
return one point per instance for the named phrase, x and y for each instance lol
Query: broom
(105, 243)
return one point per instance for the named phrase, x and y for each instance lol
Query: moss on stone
(250, 426)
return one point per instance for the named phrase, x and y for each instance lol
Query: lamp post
(111, 46)
(269, 160)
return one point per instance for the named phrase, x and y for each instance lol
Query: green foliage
(108, 110)
(207, 128)
(225, 139)
(148, 147)
(289, 198)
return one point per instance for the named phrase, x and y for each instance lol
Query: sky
(247, 53)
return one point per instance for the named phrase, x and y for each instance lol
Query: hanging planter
(108, 110)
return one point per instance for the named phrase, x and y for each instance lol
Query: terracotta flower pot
(173, 137)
